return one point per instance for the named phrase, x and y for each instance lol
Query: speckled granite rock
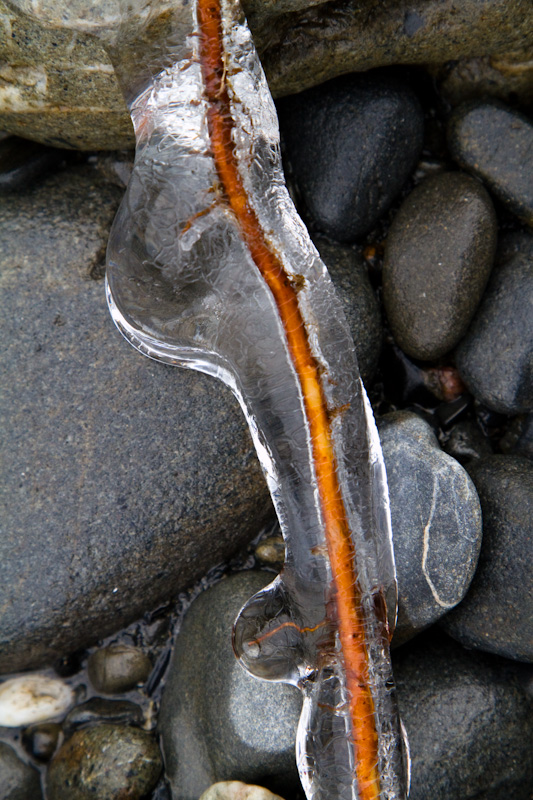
(497, 613)
(350, 145)
(350, 278)
(438, 257)
(123, 480)
(107, 761)
(495, 143)
(436, 522)
(218, 723)
(61, 89)
(469, 721)
(495, 358)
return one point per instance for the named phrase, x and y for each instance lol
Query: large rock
(350, 146)
(497, 613)
(495, 357)
(438, 258)
(469, 723)
(123, 480)
(60, 88)
(217, 723)
(436, 522)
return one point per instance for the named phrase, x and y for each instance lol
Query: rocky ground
(135, 519)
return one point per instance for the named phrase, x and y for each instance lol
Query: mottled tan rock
(59, 87)
(236, 790)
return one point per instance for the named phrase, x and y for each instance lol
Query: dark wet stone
(469, 722)
(99, 709)
(18, 781)
(466, 442)
(438, 257)
(118, 668)
(350, 277)
(311, 46)
(123, 480)
(436, 522)
(495, 143)
(22, 162)
(524, 444)
(350, 146)
(497, 613)
(40, 740)
(107, 761)
(494, 358)
(508, 78)
(258, 718)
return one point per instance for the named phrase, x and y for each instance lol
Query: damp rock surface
(495, 143)
(106, 761)
(436, 522)
(119, 484)
(439, 254)
(469, 722)
(350, 146)
(350, 278)
(259, 718)
(18, 781)
(497, 613)
(495, 357)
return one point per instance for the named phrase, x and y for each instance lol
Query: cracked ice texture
(184, 288)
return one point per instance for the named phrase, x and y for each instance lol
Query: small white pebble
(33, 698)
(236, 790)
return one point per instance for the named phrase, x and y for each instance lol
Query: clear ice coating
(210, 267)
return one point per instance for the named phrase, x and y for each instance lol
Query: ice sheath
(210, 267)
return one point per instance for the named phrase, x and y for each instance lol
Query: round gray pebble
(117, 668)
(495, 143)
(438, 257)
(218, 723)
(436, 522)
(497, 613)
(351, 144)
(495, 359)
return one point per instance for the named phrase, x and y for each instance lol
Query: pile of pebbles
(417, 188)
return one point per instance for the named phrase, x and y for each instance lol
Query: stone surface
(106, 761)
(236, 790)
(118, 668)
(436, 522)
(123, 480)
(350, 277)
(314, 45)
(469, 723)
(99, 709)
(32, 698)
(466, 442)
(495, 143)
(40, 741)
(18, 781)
(60, 88)
(217, 723)
(495, 359)
(350, 146)
(438, 257)
(497, 613)
(508, 78)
